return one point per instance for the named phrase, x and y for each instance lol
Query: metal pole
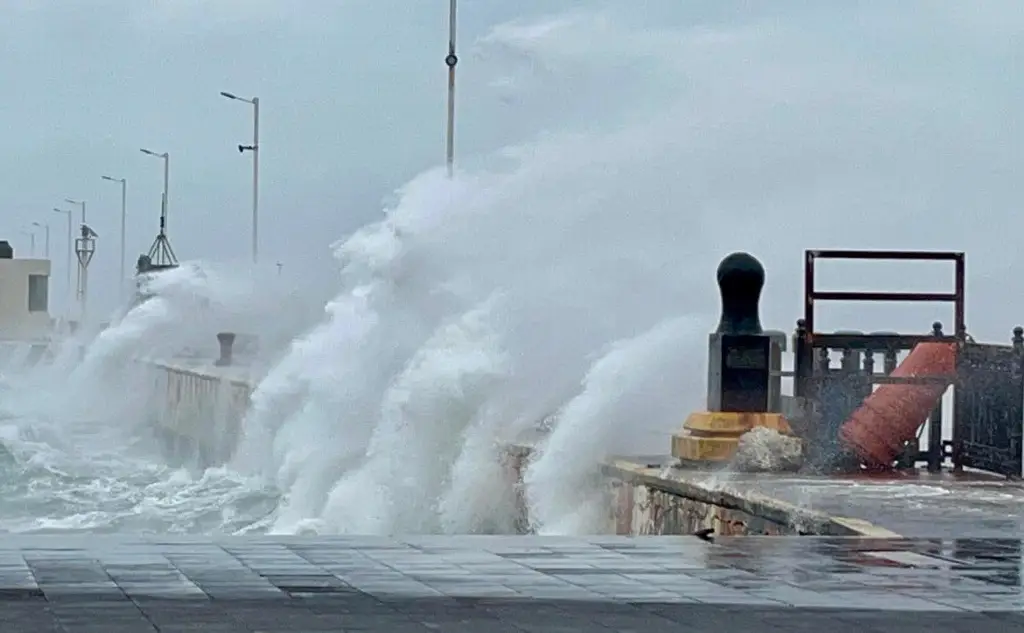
(85, 290)
(124, 214)
(70, 256)
(46, 227)
(80, 276)
(167, 202)
(32, 242)
(451, 60)
(255, 177)
(124, 217)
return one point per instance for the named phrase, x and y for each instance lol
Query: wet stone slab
(938, 506)
(106, 584)
(908, 503)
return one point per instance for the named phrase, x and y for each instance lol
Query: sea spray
(312, 415)
(624, 388)
(424, 415)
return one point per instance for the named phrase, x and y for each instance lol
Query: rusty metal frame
(810, 340)
(807, 379)
(812, 294)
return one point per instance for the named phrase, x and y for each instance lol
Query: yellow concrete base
(714, 436)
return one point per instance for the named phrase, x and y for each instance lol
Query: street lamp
(255, 149)
(161, 252)
(68, 213)
(46, 248)
(167, 170)
(450, 60)
(32, 237)
(82, 264)
(124, 215)
(78, 203)
(85, 248)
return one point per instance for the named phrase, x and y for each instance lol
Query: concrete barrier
(200, 405)
(198, 409)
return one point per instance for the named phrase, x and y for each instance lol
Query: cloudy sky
(853, 123)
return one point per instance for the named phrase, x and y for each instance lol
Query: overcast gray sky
(912, 109)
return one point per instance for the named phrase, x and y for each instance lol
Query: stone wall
(199, 409)
(658, 500)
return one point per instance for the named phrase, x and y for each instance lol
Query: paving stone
(115, 584)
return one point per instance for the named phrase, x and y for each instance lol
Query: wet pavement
(910, 503)
(926, 506)
(106, 584)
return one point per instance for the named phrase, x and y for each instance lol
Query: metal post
(124, 220)
(85, 247)
(935, 451)
(70, 256)
(255, 149)
(451, 60)
(46, 247)
(167, 195)
(124, 215)
(81, 267)
(255, 177)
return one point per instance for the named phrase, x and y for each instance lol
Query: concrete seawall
(199, 409)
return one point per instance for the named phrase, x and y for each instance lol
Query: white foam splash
(623, 389)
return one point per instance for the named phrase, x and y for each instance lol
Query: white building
(24, 297)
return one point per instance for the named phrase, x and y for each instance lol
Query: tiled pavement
(483, 584)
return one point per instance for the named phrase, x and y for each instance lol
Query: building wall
(16, 321)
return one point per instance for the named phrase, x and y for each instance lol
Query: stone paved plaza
(107, 584)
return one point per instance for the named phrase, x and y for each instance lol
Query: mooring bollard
(226, 341)
(741, 370)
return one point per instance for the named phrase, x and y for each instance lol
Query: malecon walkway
(497, 584)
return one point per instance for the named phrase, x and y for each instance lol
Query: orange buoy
(892, 414)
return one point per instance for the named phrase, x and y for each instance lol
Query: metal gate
(989, 409)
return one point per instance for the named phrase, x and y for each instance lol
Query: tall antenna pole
(451, 60)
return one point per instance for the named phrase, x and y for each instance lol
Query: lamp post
(67, 212)
(32, 242)
(80, 271)
(161, 252)
(255, 149)
(85, 248)
(165, 201)
(124, 216)
(79, 203)
(450, 60)
(46, 244)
